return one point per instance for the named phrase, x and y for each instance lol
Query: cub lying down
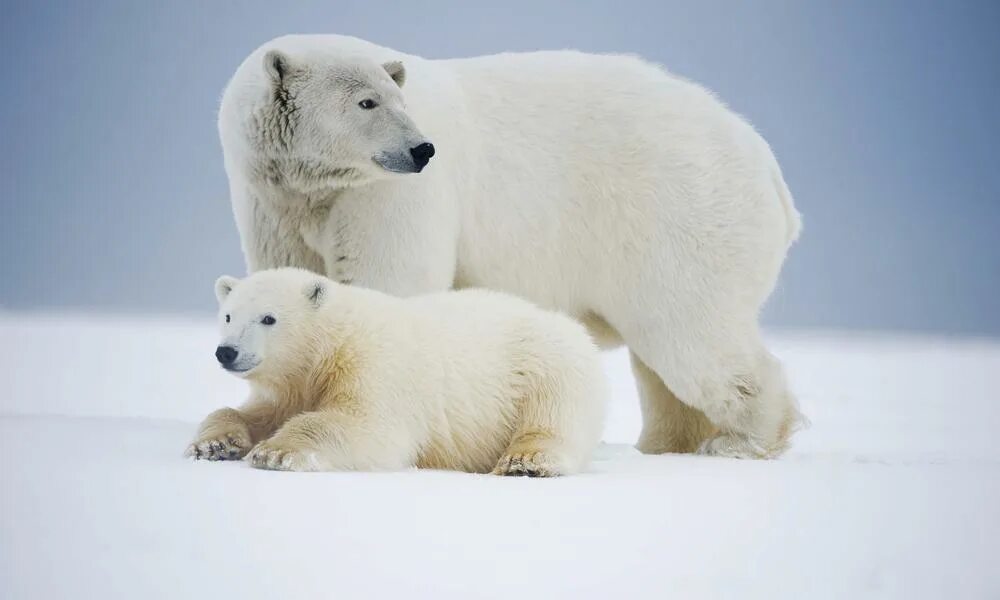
(345, 378)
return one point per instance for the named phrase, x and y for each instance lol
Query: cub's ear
(316, 292)
(224, 285)
(396, 70)
(277, 65)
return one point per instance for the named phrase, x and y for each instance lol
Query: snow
(893, 492)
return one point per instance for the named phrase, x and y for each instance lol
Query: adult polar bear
(598, 185)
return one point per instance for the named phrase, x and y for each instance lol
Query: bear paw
(227, 446)
(730, 445)
(267, 455)
(530, 464)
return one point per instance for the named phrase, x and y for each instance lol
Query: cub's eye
(268, 320)
(367, 104)
(227, 318)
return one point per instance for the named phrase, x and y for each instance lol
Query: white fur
(598, 185)
(349, 378)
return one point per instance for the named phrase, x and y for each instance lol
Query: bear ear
(396, 70)
(316, 292)
(277, 65)
(224, 285)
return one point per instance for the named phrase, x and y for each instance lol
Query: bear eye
(268, 320)
(227, 318)
(367, 104)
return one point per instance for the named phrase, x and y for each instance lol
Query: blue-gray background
(883, 115)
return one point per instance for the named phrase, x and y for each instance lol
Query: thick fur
(598, 185)
(353, 379)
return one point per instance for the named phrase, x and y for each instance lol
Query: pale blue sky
(883, 115)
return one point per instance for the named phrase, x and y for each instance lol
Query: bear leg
(729, 377)
(333, 440)
(668, 425)
(223, 435)
(559, 421)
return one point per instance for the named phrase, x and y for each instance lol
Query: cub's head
(333, 122)
(269, 322)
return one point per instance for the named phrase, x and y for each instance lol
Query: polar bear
(598, 185)
(345, 378)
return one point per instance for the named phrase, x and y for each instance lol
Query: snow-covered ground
(893, 492)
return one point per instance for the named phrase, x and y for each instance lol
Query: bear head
(333, 121)
(270, 323)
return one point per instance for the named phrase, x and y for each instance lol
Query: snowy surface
(893, 492)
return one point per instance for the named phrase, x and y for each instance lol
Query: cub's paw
(269, 455)
(225, 446)
(530, 464)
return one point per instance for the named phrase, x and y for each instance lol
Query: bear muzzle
(226, 355)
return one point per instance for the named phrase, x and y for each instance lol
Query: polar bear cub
(346, 378)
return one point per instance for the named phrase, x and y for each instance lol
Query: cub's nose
(226, 354)
(422, 155)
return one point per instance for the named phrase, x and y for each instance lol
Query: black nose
(226, 354)
(422, 154)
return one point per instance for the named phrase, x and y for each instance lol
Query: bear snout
(422, 154)
(226, 355)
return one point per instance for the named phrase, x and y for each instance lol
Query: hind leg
(559, 419)
(725, 374)
(766, 416)
(668, 425)
(534, 453)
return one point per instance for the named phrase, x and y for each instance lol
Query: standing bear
(346, 378)
(597, 185)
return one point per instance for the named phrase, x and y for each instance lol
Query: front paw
(232, 445)
(277, 457)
